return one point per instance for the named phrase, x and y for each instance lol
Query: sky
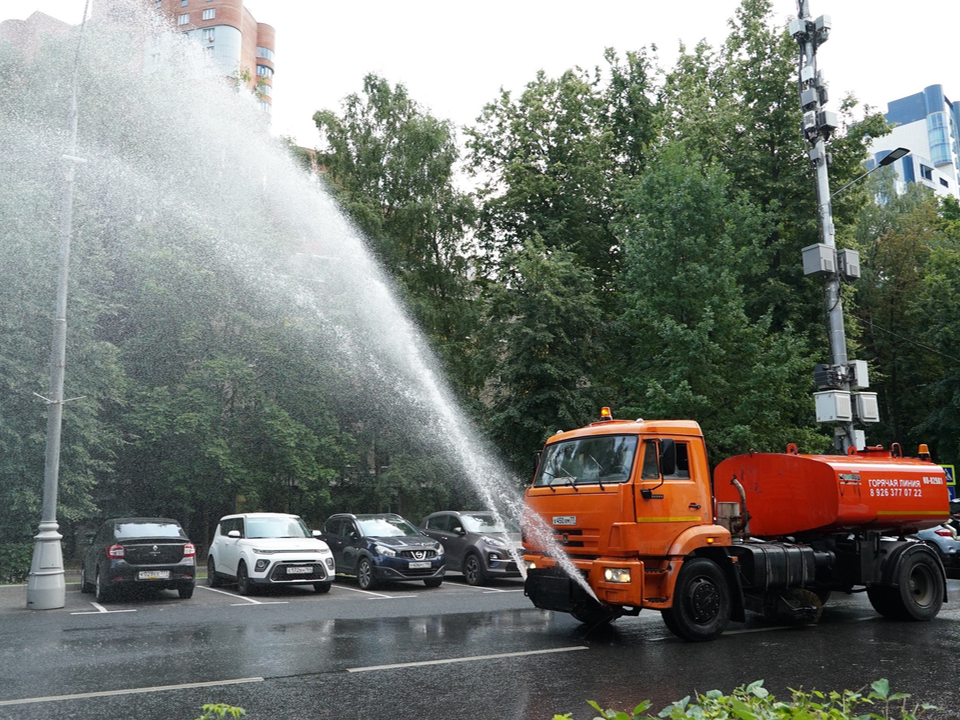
(454, 56)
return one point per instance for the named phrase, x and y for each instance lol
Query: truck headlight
(616, 575)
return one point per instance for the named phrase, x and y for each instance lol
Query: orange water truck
(623, 516)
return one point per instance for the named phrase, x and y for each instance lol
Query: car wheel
(185, 592)
(100, 591)
(212, 579)
(85, 585)
(244, 586)
(433, 582)
(365, 578)
(473, 570)
(322, 587)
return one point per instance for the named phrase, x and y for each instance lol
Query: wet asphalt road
(412, 652)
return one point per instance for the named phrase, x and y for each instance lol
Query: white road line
(467, 659)
(100, 609)
(493, 590)
(131, 691)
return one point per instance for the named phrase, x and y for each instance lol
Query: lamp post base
(46, 587)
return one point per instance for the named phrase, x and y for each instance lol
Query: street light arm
(888, 159)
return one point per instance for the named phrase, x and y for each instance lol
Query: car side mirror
(460, 531)
(234, 534)
(317, 534)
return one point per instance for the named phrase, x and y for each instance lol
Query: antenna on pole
(835, 382)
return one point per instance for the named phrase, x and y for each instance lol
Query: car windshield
(488, 524)
(148, 529)
(386, 527)
(599, 459)
(281, 527)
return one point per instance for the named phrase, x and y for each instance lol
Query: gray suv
(476, 544)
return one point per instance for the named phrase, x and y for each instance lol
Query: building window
(157, 4)
(265, 53)
(209, 14)
(183, 19)
(264, 72)
(183, 3)
(209, 34)
(265, 106)
(267, 91)
(944, 183)
(926, 173)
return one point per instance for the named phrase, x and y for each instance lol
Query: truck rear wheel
(701, 602)
(919, 594)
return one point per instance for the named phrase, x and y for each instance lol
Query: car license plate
(299, 570)
(419, 565)
(564, 519)
(153, 575)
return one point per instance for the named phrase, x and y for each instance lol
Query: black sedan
(139, 552)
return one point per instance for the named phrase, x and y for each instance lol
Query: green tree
(896, 239)
(392, 167)
(549, 160)
(687, 347)
(544, 327)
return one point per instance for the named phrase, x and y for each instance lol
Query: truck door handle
(694, 506)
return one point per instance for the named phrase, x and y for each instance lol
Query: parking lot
(345, 590)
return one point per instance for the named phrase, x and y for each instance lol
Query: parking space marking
(247, 600)
(376, 596)
(130, 691)
(450, 661)
(100, 610)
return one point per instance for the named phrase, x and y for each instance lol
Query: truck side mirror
(668, 457)
(536, 461)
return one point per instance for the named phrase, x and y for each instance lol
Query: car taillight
(943, 532)
(115, 551)
(189, 550)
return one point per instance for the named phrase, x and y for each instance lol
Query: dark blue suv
(383, 547)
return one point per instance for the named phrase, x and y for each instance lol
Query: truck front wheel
(701, 602)
(919, 594)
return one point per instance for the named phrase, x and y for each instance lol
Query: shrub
(15, 561)
(754, 702)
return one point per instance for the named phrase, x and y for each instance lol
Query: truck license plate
(419, 565)
(154, 575)
(299, 570)
(564, 519)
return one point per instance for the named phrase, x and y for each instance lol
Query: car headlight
(439, 550)
(616, 575)
(384, 550)
(494, 542)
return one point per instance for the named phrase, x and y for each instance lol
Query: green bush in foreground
(754, 702)
(218, 711)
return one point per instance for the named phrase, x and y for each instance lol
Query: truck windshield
(592, 460)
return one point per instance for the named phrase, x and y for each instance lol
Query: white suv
(259, 549)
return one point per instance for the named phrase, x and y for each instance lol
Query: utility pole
(836, 403)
